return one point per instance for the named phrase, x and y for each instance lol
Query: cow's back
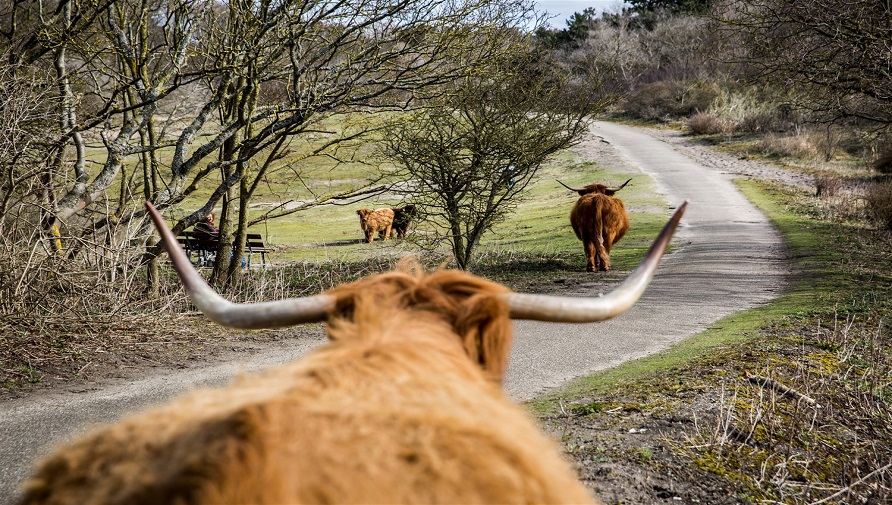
(594, 214)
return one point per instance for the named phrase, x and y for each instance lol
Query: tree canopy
(169, 99)
(834, 58)
(469, 156)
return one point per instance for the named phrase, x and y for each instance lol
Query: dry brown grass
(801, 145)
(707, 124)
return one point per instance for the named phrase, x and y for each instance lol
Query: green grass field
(540, 224)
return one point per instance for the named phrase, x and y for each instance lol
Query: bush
(827, 185)
(878, 198)
(706, 124)
(749, 112)
(758, 122)
(669, 99)
(883, 164)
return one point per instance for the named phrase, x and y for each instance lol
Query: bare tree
(160, 99)
(833, 57)
(470, 156)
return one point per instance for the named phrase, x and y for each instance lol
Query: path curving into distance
(727, 258)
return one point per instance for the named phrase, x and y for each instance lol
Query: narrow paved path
(729, 259)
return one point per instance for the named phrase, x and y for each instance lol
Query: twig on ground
(780, 388)
(850, 486)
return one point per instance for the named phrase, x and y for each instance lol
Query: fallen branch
(780, 388)
(850, 486)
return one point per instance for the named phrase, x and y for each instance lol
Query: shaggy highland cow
(403, 405)
(374, 221)
(402, 218)
(599, 220)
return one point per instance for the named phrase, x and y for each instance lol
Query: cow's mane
(447, 301)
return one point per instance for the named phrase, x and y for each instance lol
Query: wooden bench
(254, 245)
(205, 247)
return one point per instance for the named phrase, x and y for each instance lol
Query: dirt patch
(127, 348)
(626, 456)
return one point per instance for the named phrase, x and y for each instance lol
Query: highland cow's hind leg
(603, 254)
(590, 255)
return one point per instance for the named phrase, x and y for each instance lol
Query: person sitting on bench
(205, 228)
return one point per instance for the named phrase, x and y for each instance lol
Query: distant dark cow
(374, 221)
(402, 218)
(600, 220)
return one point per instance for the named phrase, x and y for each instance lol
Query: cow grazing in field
(403, 405)
(599, 220)
(402, 218)
(375, 221)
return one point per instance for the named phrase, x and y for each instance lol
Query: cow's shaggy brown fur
(403, 405)
(599, 220)
(402, 218)
(373, 221)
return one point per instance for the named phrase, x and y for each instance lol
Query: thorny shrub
(836, 200)
(706, 124)
(883, 163)
(878, 198)
(828, 185)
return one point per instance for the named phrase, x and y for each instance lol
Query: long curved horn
(246, 315)
(565, 309)
(621, 187)
(571, 189)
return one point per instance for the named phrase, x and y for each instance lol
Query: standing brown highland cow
(373, 221)
(599, 220)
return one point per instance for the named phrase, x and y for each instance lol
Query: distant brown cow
(600, 220)
(374, 221)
